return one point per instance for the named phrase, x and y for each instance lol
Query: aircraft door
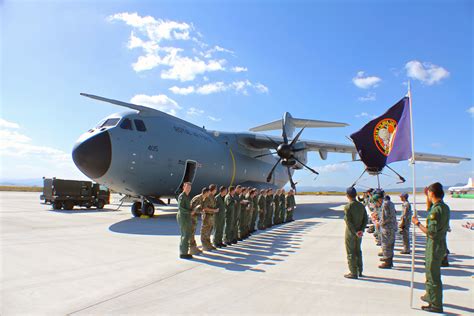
(189, 174)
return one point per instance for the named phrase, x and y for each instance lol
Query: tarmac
(102, 262)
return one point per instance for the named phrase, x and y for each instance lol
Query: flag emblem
(384, 135)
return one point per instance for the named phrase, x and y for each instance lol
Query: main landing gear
(143, 208)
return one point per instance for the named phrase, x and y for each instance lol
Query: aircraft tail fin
(140, 108)
(469, 183)
(290, 123)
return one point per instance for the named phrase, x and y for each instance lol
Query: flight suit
(197, 204)
(388, 229)
(207, 223)
(405, 225)
(282, 207)
(244, 215)
(261, 212)
(356, 219)
(437, 225)
(276, 209)
(184, 222)
(290, 207)
(237, 215)
(229, 203)
(219, 219)
(269, 210)
(254, 213)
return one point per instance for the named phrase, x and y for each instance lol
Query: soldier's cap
(351, 191)
(376, 197)
(404, 195)
(387, 198)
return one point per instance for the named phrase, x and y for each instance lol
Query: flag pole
(412, 162)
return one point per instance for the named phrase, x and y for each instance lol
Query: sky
(232, 65)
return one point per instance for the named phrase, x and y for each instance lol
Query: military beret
(351, 191)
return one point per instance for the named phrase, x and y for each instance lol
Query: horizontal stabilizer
(291, 123)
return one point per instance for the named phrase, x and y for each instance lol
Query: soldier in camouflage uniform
(405, 223)
(219, 218)
(184, 220)
(197, 204)
(276, 208)
(229, 203)
(208, 219)
(254, 210)
(282, 205)
(388, 229)
(269, 208)
(237, 214)
(290, 204)
(262, 210)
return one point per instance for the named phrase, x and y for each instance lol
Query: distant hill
(33, 182)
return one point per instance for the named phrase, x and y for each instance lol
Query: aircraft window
(110, 122)
(126, 124)
(140, 125)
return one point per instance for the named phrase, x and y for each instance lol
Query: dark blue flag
(385, 139)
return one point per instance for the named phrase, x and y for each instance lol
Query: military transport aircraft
(147, 154)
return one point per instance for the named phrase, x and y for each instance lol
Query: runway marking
(131, 291)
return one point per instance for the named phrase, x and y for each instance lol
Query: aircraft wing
(260, 142)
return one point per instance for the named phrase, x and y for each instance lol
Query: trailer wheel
(149, 209)
(100, 204)
(136, 209)
(57, 205)
(68, 205)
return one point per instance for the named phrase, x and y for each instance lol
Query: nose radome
(94, 155)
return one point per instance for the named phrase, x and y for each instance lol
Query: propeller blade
(263, 155)
(310, 169)
(273, 142)
(285, 137)
(269, 177)
(297, 136)
(293, 185)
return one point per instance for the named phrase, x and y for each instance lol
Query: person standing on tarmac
(253, 223)
(276, 208)
(261, 209)
(290, 205)
(282, 205)
(219, 218)
(405, 223)
(208, 219)
(356, 219)
(388, 229)
(184, 221)
(237, 214)
(198, 203)
(437, 225)
(229, 203)
(269, 208)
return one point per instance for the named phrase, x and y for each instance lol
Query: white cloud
(7, 124)
(219, 86)
(334, 167)
(186, 69)
(427, 73)
(159, 102)
(239, 69)
(365, 82)
(365, 114)
(194, 111)
(370, 96)
(471, 111)
(215, 119)
(183, 90)
(210, 52)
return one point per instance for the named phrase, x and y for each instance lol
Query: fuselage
(152, 155)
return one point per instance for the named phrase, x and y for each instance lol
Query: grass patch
(15, 188)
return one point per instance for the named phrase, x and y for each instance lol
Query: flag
(385, 139)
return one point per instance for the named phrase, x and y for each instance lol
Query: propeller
(286, 153)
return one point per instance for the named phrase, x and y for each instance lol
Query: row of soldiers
(231, 213)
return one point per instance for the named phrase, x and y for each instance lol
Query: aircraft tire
(68, 205)
(149, 209)
(136, 209)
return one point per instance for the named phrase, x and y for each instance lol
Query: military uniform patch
(432, 216)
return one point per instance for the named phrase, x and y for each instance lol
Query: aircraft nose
(94, 155)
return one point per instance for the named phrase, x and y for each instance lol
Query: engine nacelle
(303, 157)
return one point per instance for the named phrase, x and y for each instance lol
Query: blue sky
(234, 65)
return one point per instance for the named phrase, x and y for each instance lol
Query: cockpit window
(126, 124)
(140, 125)
(110, 122)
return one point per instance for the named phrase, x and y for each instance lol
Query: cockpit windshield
(109, 122)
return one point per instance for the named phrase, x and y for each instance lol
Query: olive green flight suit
(254, 213)
(219, 219)
(261, 212)
(437, 225)
(237, 216)
(290, 207)
(244, 215)
(356, 219)
(269, 210)
(276, 209)
(282, 208)
(184, 222)
(229, 203)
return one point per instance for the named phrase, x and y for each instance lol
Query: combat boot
(186, 256)
(432, 309)
(387, 264)
(350, 276)
(405, 252)
(195, 250)
(445, 262)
